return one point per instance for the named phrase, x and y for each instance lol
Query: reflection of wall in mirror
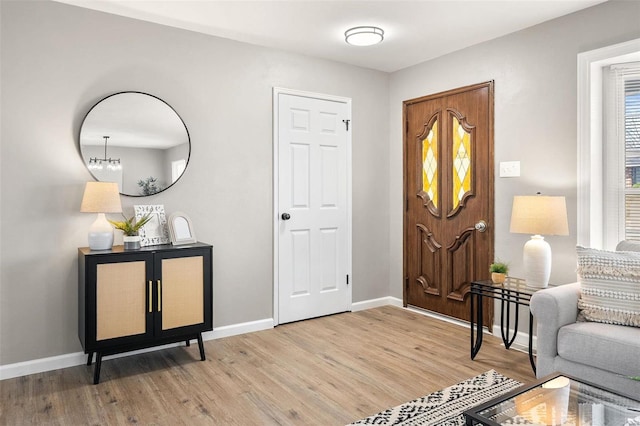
(145, 163)
(137, 164)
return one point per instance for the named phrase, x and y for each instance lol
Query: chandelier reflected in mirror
(96, 163)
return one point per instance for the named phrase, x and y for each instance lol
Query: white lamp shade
(539, 214)
(101, 197)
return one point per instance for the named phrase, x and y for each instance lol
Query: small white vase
(131, 242)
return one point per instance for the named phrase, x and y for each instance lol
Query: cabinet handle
(150, 296)
(159, 296)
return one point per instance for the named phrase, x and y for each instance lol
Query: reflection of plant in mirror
(149, 185)
(130, 227)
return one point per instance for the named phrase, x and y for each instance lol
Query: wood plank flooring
(326, 371)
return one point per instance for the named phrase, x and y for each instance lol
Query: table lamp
(101, 198)
(538, 215)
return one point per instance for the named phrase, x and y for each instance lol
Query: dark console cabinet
(129, 300)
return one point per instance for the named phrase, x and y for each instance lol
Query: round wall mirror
(136, 140)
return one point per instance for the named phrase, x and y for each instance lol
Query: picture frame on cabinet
(155, 231)
(181, 229)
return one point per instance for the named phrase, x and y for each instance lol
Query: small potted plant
(130, 228)
(499, 272)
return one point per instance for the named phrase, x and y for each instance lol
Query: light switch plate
(509, 169)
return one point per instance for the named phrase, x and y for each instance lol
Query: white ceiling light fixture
(364, 36)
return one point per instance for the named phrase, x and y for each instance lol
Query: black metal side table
(512, 292)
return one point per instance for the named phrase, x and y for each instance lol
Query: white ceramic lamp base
(101, 234)
(537, 262)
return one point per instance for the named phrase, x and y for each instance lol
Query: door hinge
(346, 122)
(347, 279)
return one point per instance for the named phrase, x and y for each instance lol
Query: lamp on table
(538, 215)
(101, 198)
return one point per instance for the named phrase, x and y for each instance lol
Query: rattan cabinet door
(121, 293)
(182, 292)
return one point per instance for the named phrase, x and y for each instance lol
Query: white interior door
(312, 206)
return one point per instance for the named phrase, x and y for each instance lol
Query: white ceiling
(415, 31)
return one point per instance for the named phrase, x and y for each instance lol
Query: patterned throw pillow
(609, 286)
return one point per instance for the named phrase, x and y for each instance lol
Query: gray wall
(58, 60)
(535, 73)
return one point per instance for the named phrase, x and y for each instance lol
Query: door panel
(448, 186)
(121, 297)
(182, 292)
(312, 241)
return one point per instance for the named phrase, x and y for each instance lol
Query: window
(629, 86)
(605, 177)
(177, 169)
(622, 153)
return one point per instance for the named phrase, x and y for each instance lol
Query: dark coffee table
(556, 400)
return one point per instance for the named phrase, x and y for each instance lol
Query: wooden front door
(448, 188)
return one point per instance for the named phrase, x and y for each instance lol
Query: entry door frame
(277, 91)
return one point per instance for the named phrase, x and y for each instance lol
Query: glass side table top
(511, 284)
(558, 400)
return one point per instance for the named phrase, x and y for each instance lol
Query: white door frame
(276, 214)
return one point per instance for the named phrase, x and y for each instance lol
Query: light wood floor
(326, 371)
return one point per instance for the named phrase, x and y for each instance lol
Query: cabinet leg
(188, 342)
(201, 347)
(96, 371)
(90, 358)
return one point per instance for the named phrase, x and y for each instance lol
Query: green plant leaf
(130, 226)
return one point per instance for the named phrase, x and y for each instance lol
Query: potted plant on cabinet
(130, 228)
(499, 272)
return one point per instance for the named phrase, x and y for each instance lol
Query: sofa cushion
(606, 346)
(628, 245)
(609, 286)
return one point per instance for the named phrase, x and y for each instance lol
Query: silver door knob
(481, 226)
(285, 216)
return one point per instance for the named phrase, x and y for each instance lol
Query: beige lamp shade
(539, 215)
(101, 197)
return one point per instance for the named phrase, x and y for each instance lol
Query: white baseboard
(521, 343)
(41, 365)
(375, 303)
(25, 368)
(235, 329)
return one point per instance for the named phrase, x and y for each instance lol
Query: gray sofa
(603, 354)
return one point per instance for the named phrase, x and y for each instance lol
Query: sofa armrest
(553, 308)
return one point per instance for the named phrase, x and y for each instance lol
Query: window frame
(591, 229)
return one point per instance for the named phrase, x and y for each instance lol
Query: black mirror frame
(157, 98)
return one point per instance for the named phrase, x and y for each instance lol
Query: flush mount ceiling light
(364, 36)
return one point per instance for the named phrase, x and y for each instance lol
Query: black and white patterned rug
(445, 407)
